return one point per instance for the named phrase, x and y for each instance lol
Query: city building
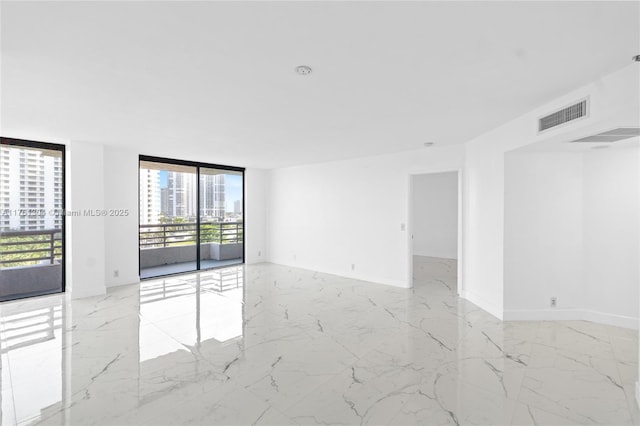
(181, 195)
(212, 193)
(164, 202)
(177, 199)
(150, 203)
(31, 192)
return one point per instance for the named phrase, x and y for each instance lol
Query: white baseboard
(134, 279)
(542, 315)
(348, 274)
(482, 303)
(83, 293)
(571, 315)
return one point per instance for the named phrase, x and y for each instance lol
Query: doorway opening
(191, 216)
(435, 237)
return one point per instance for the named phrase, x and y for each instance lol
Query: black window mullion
(198, 218)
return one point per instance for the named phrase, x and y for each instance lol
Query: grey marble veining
(267, 344)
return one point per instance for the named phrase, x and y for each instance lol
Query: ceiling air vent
(563, 116)
(614, 135)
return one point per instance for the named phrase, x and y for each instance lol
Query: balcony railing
(24, 248)
(180, 234)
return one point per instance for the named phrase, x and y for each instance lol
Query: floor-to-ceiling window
(191, 216)
(32, 218)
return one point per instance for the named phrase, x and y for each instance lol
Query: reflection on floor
(267, 344)
(177, 268)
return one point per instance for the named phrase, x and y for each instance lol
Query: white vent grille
(614, 135)
(563, 116)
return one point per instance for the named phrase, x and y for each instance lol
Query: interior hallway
(294, 346)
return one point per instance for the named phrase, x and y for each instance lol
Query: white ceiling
(215, 81)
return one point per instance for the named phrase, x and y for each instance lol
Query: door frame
(460, 236)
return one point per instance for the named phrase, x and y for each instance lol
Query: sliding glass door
(31, 218)
(191, 216)
(168, 229)
(221, 225)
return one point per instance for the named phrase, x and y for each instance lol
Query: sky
(233, 188)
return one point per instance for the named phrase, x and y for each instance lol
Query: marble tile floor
(177, 268)
(297, 347)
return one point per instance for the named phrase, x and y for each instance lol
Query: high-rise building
(181, 195)
(237, 206)
(149, 196)
(31, 192)
(212, 198)
(178, 198)
(164, 202)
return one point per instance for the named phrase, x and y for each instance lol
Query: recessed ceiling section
(614, 135)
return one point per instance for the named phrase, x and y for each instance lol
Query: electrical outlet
(403, 226)
(116, 273)
(554, 302)
(353, 266)
(259, 253)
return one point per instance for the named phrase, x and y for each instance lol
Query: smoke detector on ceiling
(303, 70)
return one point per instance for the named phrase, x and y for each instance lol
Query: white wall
(434, 201)
(543, 247)
(611, 211)
(121, 232)
(85, 250)
(571, 231)
(483, 222)
(637, 262)
(255, 215)
(613, 103)
(328, 216)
